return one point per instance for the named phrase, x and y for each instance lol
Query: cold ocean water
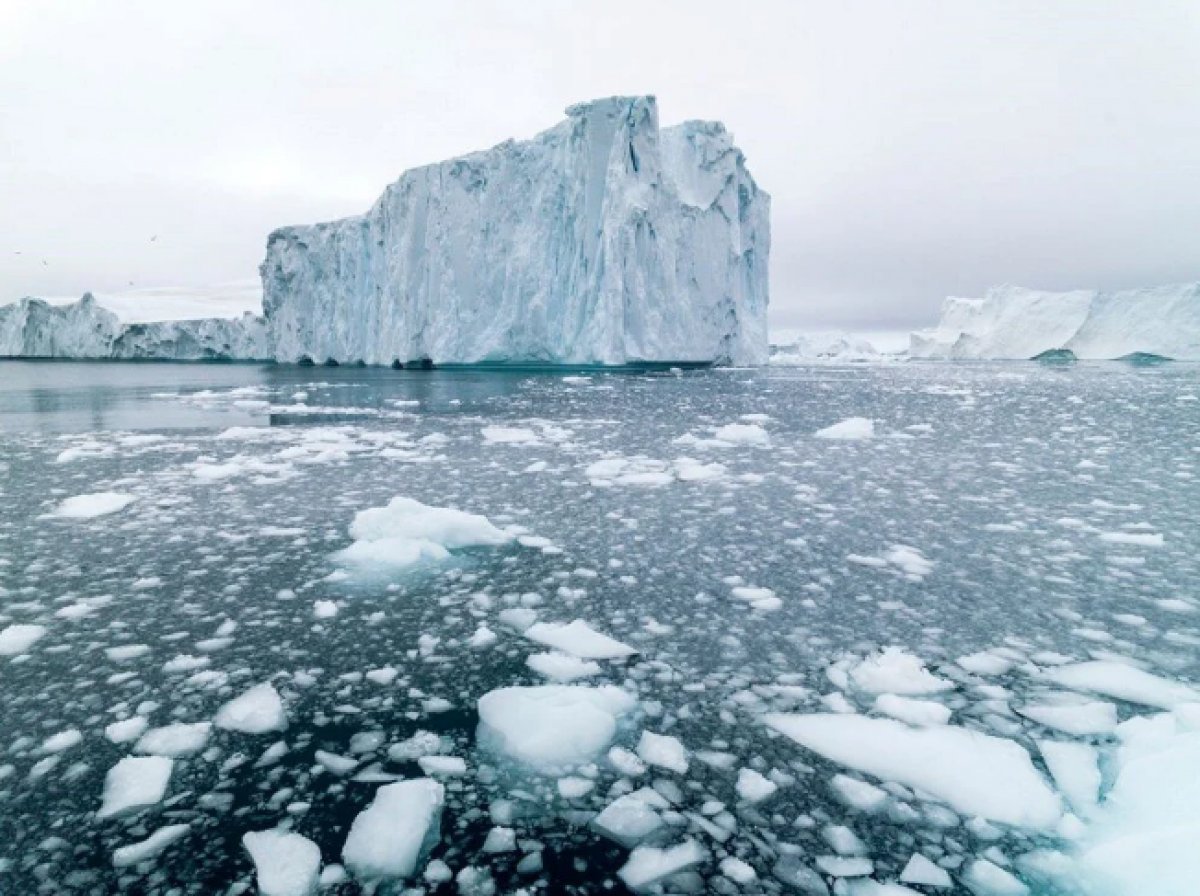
(955, 650)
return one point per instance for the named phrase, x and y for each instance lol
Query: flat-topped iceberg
(1013, 323)
(604, 240)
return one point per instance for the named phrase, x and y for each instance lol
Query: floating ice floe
(1142, 838)
(390, 837)
(152, 846)
(176, 740)
(285, 863)
(86, 507)
(510, 435)
(663, 751)
(742, 434)
(914, 565)
(754, 787)
(406, 532)
(1124, 682)
(647, 864)
(1091, 717)
(257, 711)
(17, 639)
(915, 712)
(561, 667)
(551, 727)
(631, 818)
(646, 472)
(758, 598)
(974, 773)
(925, 873)
(135, 783)
(850, 429)
(896, 671)
(579, 640)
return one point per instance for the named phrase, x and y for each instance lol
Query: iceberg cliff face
(32, 328)
(604, 240)
(1015, 323)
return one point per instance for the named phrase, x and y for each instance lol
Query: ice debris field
(865, 632)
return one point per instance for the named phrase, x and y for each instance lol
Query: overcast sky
(912, 149)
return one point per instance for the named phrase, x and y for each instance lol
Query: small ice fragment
(920, 870)
(256, 711)
(143, 851)
(286, 864)
(86, 507)
(850, 429)
(663, 751)
(647, 864)
(135, 783)
(551, 726)
(175, 740)
(579, 640)
(753, 787)
(17, 639)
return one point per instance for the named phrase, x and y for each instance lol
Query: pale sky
(913, 149)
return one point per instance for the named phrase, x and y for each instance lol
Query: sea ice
(915, 712)
(647, 864)
(285, 863)
(550, 727)
(86, 507)
(920, 870)
(628, 820)
(1124, 682)
(663, 751)
(17, 639)
(143, 851)
(976, 774)
(753, 787)
(135, 783)
(256, 711)
(1076, 772)
(390, 836)
(579, 640)
(561, 667)
(176, 740)
(406, 532)
(896, 671)
(850, 429)
(1092, 717)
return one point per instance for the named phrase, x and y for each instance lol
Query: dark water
(247, 477)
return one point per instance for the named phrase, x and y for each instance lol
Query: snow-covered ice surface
(604, 240)
(960, 657)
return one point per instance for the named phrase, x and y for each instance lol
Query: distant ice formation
(833, 347)
(1011, 322)
(604, 240)
(34, 328)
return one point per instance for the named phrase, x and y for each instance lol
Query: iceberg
(1012, 323)
(36, 328)
(604, 240)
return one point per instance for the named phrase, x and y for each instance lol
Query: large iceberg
(604, 240)
(1011, 322)
(34, 328)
